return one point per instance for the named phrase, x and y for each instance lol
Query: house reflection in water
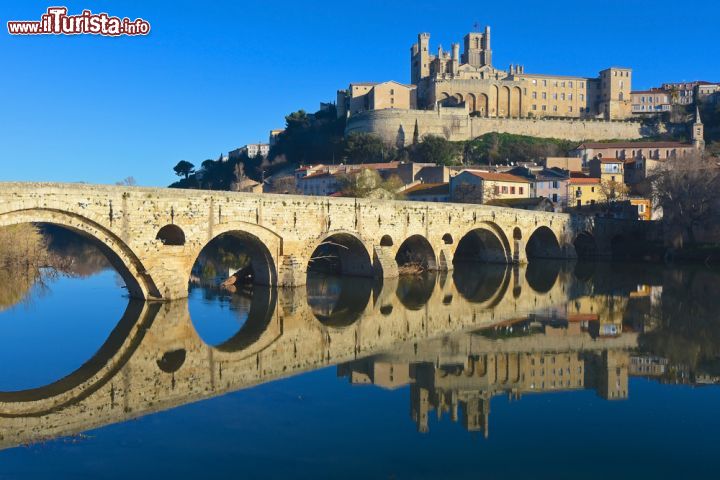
(459, 374)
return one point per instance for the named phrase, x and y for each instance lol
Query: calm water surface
(546, 371)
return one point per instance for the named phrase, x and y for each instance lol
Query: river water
(553, 370)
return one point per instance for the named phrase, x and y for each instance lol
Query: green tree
(184, 169)
(366, 148)
(438, 150)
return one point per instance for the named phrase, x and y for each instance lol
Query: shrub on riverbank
(22, 245)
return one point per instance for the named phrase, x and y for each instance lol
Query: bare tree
(613, 191)
(688, 191)
(126, 182)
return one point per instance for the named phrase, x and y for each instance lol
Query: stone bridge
(154, 236)
(155, 360)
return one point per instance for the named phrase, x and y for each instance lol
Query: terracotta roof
(633, 145)
(428, 189)
(498, 177)
(308, 167)
(584, 181)
(582, 317)
(317, 175)
(376, 166)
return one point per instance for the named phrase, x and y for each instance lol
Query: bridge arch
(342, 253)
(586, 246)
(386, 241)
(118, 253)
(117, 349)
(171, 235)
(417, 250)
(485, 243)
(338, 302)
(543, 243)
(261, 245)
(482, 285)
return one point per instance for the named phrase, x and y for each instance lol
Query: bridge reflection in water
(457, 338)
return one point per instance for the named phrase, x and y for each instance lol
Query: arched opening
(479, 285)
(585, 246)
(341, 254)
(472, 102)
(543, 244)
(79, 246)
(415, 291)
(171, 235)
(415, 255)
(244, 317)
(483, 107)
(386, 241)
(123, 340)
(233, 260)
(171, 361)
(338, 301)
(447, 239)
(481, 245)
(541, 275)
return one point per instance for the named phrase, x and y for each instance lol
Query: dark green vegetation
(318, 138)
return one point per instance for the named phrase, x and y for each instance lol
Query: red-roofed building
(322, 180)
(584, 191)
(475, 186)
(428, 192)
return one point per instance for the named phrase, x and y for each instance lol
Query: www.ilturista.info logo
(57, 22)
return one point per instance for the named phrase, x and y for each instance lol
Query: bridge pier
(445, 259)
(384, 264)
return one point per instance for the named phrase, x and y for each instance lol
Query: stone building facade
(449, 78)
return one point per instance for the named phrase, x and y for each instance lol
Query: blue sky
(213, 76)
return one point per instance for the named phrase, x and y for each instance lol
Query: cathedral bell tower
(698, 131)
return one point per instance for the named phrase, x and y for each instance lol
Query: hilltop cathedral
(469, 79)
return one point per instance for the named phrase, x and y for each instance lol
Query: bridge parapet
(154, 236)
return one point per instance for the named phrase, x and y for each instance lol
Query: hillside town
(616, 137)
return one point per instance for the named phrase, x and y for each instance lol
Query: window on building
(555, 108)
(570, 109)
(555, 184)
(504, 189)
(582, 97)
(512, 190)
(544, 108)
(555, 197)
(534, 107)
(521, 190)
(570, 84)
(534, 94)
(534, 82)
(544, 95)
(562, 96)
(544, 83)
(569, 96)
(554, 96)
